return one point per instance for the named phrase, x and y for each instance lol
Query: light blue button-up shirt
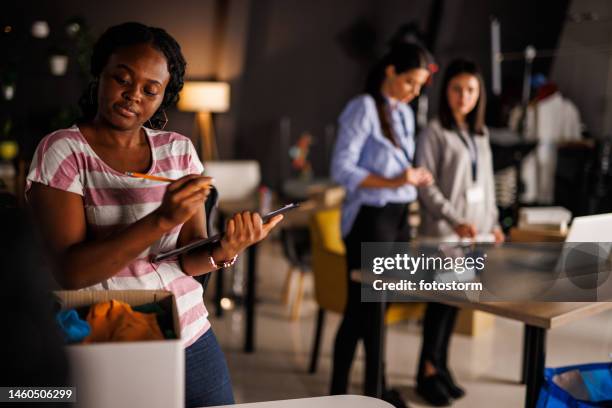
(362, 149)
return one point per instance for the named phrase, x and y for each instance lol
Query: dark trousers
(438, 327)
(360, 320)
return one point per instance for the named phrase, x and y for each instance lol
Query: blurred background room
(265, 83)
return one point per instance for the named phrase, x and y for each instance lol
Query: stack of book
(544, 218)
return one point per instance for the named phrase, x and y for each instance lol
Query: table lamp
(204, 98)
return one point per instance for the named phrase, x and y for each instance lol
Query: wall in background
(304, 64)
(299, 65)
(465, 32)
(292, 60)
(583, 68)
(39, 94)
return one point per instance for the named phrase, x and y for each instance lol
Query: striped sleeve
(56, 163)
(195, 165)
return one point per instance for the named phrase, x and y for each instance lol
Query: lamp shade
(200, 96)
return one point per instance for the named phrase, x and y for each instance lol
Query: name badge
(475, 195)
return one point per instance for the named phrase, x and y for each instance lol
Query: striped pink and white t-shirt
(65, 160)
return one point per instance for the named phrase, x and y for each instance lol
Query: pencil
(148, 177)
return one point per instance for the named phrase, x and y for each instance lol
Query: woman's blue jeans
(207, 379)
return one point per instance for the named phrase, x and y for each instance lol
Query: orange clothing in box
(116, 321)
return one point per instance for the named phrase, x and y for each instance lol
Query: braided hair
(124, 35)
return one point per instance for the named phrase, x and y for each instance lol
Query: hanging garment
(550, 121)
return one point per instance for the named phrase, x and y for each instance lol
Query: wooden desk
(538, 317)
(334, 401)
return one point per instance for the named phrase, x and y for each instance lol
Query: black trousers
(360, 320)
(438, 327)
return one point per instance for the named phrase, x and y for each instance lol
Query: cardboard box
(129, 374)
(473, 322)
(536, 235)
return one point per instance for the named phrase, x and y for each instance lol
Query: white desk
(334, 401)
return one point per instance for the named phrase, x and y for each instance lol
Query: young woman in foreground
(104, 226)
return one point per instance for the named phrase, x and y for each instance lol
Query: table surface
(334, 401)
(546, 315)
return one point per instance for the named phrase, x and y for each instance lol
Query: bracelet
(222, 264)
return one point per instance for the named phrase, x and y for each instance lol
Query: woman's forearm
(92, 262)
(198, 262)
(435, 202)
(374, 181)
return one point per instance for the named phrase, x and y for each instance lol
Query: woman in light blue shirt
(373, 160)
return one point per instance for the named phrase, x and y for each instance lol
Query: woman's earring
(164, 123)
(165, 120)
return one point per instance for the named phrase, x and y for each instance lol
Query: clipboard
(216, 238)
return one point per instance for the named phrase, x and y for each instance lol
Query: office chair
(296, 248)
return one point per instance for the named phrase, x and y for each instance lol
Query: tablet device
(216, 238)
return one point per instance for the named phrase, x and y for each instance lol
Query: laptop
(587, 246)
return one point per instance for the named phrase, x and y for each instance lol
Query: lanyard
(406, 134)
(473, 151)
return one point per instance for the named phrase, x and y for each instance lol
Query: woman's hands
(499, 235)
(469, 231)
(416, 176)
(182, 199)
(241, 231)
(466, 230)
